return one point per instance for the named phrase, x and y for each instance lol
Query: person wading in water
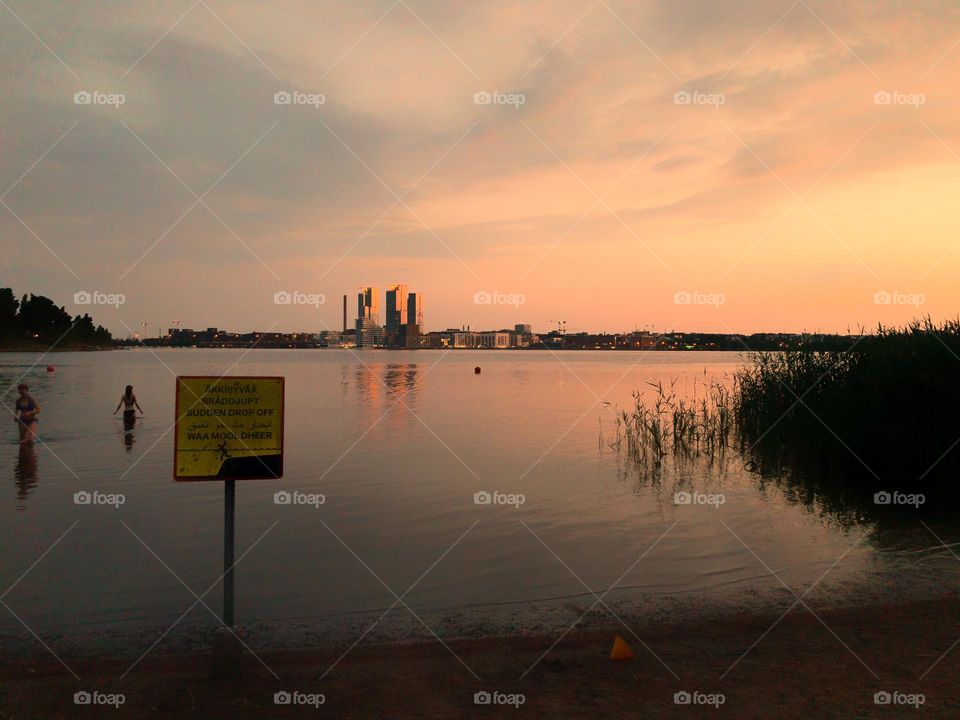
(128, 401)
(26, 415)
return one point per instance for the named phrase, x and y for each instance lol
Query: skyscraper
(396, 309)
(415, 309)
(367, 306)
(369, 332)
(414, 327)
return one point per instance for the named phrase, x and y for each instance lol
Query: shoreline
(804, 665)
(759, 596)
(41, 350)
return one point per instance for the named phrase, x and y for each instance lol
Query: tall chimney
(344, 313)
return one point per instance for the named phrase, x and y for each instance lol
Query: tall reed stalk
(666, 424)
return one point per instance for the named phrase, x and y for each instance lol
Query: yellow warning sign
(228, 428)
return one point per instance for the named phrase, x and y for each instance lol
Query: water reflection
(25, 472)
(849, 500)
(842, 500)
(371, 384)
(128, 434)
(367, 384)
(395, 376)
(670, 483)
(391, 382)
(400, 375)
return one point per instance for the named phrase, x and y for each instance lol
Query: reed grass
(665, 424)
(886, 410)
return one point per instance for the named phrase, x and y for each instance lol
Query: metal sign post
(228, 428)
(229, 503)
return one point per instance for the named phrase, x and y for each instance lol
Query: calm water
(398, 443)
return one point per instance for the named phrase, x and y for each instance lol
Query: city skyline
(367, 316)
(367, 306)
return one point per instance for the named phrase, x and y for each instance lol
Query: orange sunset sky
(811, 181)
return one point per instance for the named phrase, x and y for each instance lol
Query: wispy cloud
(792, 88)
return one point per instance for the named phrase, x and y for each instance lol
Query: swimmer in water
(26, 410)
(128, 401)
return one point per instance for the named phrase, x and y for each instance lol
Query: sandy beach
(828, 665)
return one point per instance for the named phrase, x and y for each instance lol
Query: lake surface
(398, 443)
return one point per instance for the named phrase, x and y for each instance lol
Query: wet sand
(804, 667)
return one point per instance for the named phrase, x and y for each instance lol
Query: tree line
(38, 319)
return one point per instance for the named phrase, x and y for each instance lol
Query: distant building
(522, 335)
(367, 307)
(435, 340)
(412, 333)
(396, 309)
(641, 341)
(415, 309)
(330, 338)
(493, 340)
(369, 333)
(463, 339)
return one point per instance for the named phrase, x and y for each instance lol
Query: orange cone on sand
(620, 651)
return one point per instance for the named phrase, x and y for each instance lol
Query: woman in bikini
(128, 401)
(26, 410)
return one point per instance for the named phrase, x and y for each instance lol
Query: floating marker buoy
(620, 650)
(476, 371)
(50, 368)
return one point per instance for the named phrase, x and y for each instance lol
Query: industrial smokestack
(344, 313)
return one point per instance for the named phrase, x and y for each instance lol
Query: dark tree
(9, 326)
(42, 320)
(39, 319)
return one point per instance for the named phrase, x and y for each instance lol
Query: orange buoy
(476, 370)
(620, 650)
